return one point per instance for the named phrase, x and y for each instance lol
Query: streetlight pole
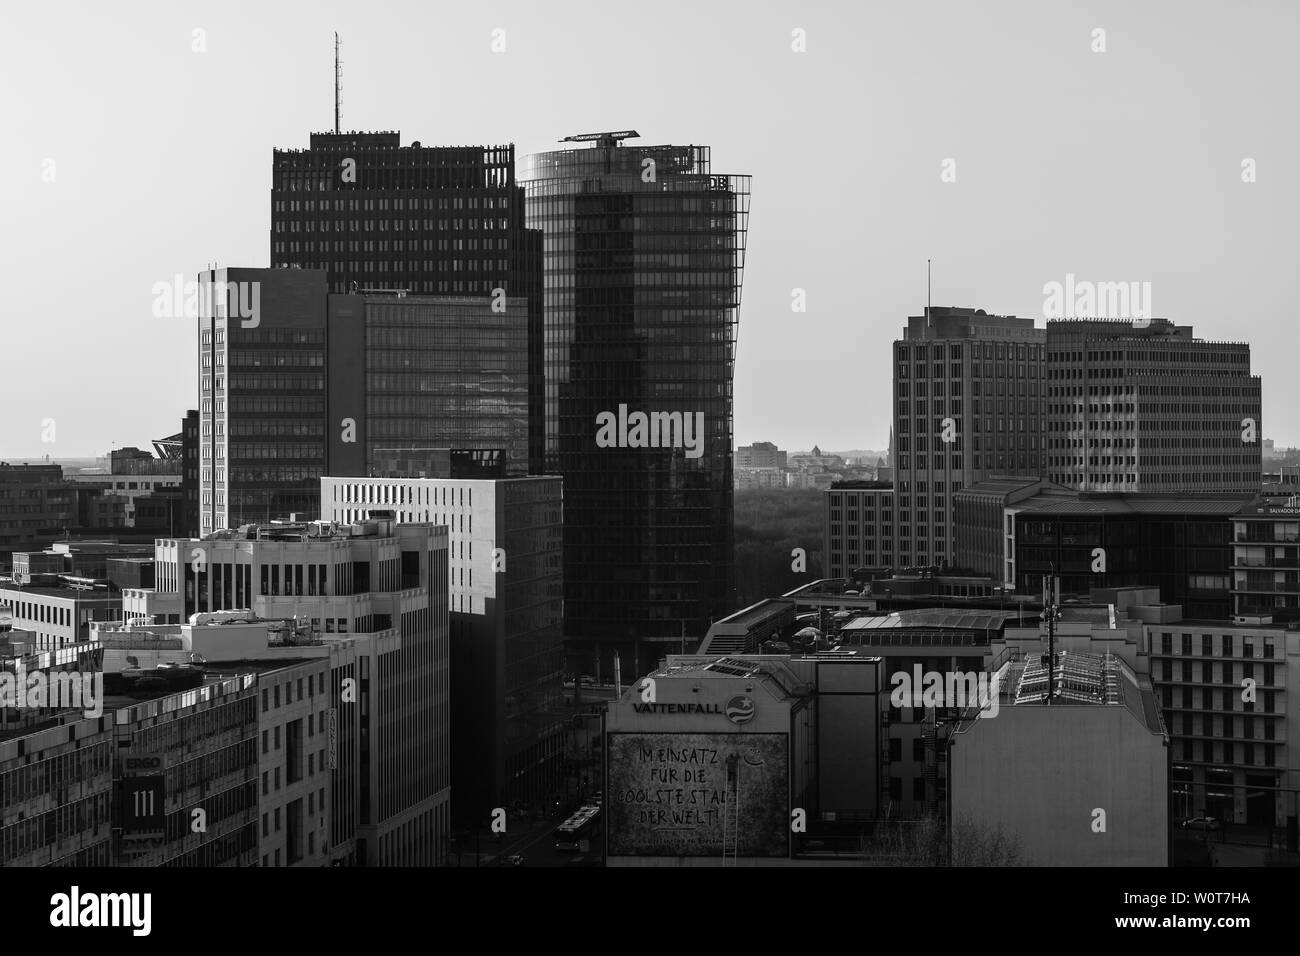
(1051, 613)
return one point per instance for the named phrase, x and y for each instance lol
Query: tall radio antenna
(338, 82)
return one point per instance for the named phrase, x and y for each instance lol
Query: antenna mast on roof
(338, 81)
(927, 293)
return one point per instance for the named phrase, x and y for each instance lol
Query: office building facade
(35, 502)
(348, 383)
(968, 393)
(1266, 559)
(644, 253)
(1149, 408)
(507, 640)
(385, 586)
(430, 221)
(859, 527)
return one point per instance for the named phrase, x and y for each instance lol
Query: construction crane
(604, 140)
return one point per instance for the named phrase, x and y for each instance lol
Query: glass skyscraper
(644, 252)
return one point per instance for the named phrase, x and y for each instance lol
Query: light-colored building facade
(385, 585)
(1083, 782)
(1143, 406)
(507, 643)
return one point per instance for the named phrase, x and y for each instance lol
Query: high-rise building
(507, 639)
(430, 221)
(644, 254)
(968, 393)
(345, 384)
(262, 396)
(422, 372)
(1149, 408)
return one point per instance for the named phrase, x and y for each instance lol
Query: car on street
(1201, 823)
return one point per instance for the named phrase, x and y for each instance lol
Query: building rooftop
(1087, 504)
(853, 483)
(771, 669)
(98, 593)
(935, 619)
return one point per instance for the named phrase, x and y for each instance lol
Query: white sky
(1115, 166)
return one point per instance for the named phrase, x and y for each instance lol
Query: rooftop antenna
(338, 82)
(927, 293)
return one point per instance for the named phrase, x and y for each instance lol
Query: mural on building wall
(668, 794)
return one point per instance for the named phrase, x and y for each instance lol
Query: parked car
(1201, 823)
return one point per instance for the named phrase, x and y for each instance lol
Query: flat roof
(1128, 504)
(935, 618)
(44, 591)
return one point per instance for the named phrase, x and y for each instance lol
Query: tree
(923, 842)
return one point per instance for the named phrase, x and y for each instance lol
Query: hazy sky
(1123, 165)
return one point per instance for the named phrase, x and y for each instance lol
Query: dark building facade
(968, 390)
(190, 475)
(644, 254)
(262, 398)
(1266, 559)
(1183, 546)
(347, 385)
(35, 505)
(1151, 409)
(431, 221)
(426, 372)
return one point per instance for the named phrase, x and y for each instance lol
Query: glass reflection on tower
(643, 258)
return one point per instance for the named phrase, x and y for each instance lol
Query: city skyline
(1092, 210)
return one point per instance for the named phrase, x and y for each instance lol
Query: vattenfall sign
(738, 710)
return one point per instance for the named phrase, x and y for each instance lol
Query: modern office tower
(412, 373)
(35, 502)
(262, 399)
(1266, 559)
(644, 250)
(385, 586)
(968, 393)
(859, 527)
(347, 384)
(507, 638)
(430, 221)
(1150, 408)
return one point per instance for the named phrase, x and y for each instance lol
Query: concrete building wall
(1042, 773)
